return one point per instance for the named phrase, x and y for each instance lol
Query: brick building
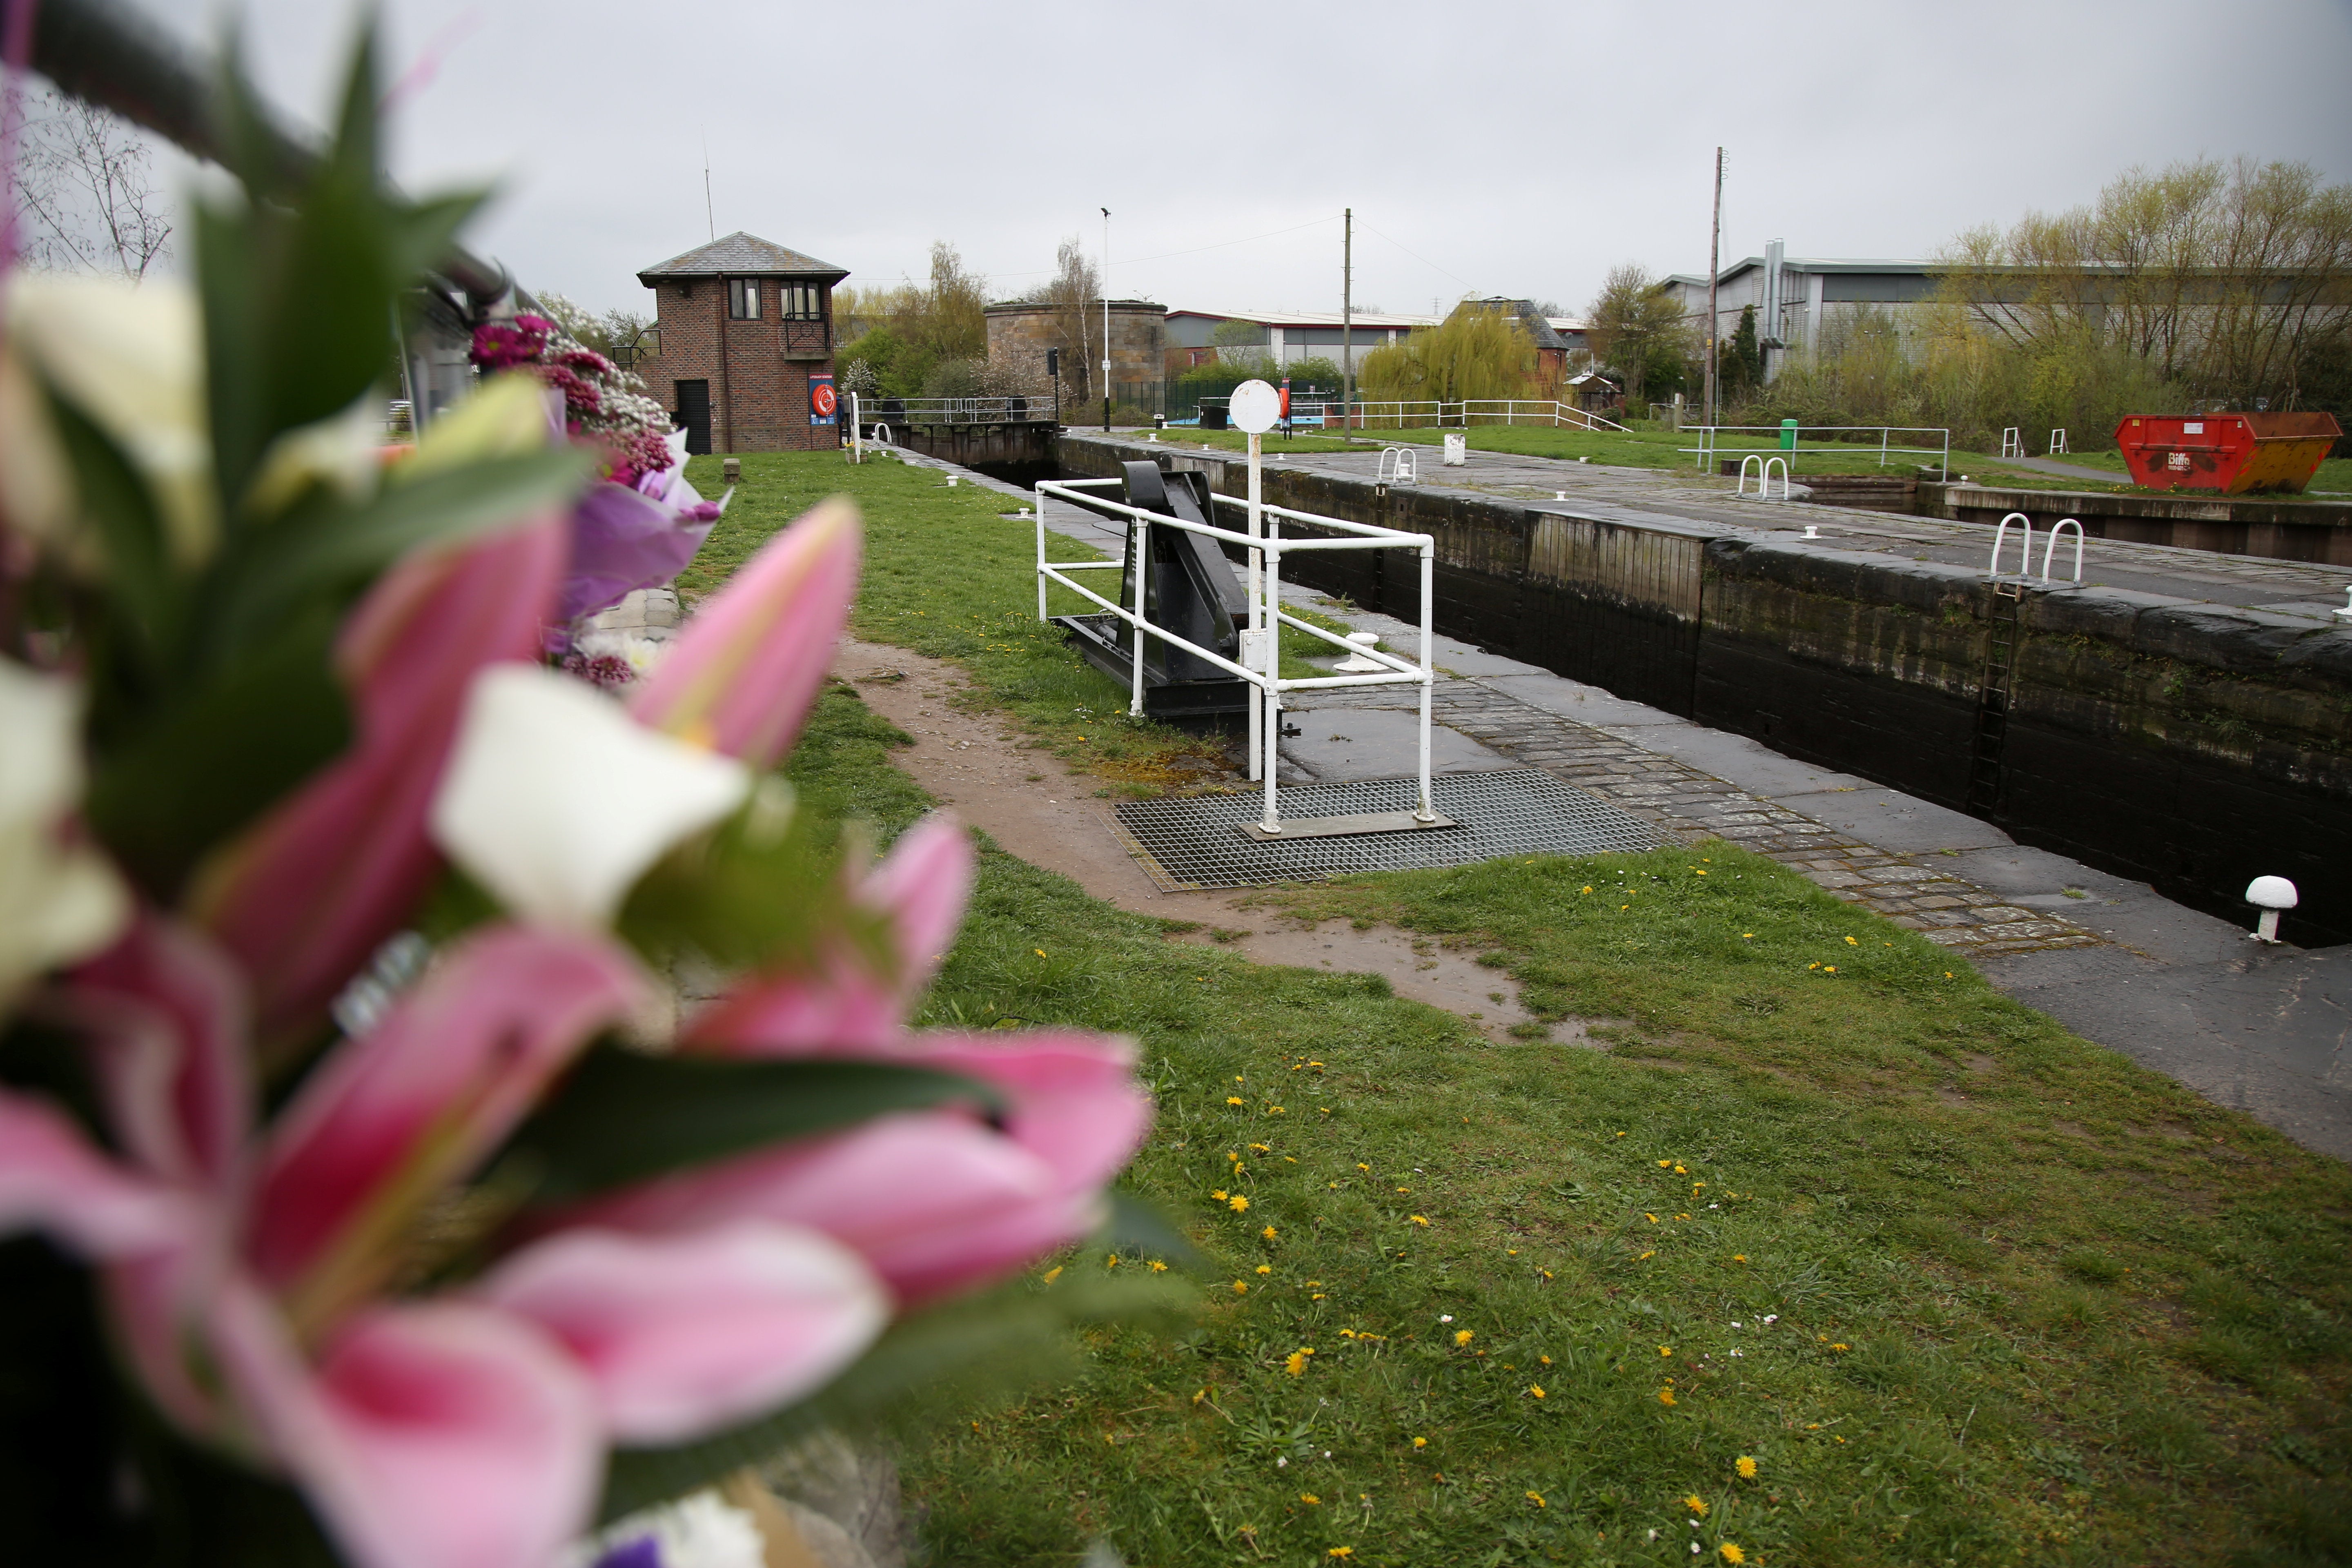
(746, 346)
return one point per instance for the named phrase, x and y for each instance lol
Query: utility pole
(1105, 289)
(1347, 322)
(1714, 249)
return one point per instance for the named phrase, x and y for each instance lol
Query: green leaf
(176, 781)
(140, 576)
(325, 549)
(1009, 1335)
(1137, 1226)
(623, 1116)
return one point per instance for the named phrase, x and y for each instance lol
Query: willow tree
(1479, 352)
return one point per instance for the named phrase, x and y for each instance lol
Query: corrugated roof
(1367, 319)
(741, 254)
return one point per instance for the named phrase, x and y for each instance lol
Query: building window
(743, 298)
(801, 301)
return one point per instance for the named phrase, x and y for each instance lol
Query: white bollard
(1811, 532)
(1458, 451)
(2271, 895)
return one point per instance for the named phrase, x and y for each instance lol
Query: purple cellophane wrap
(622, 540)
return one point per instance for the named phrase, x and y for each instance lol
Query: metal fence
(928, 411)
(1332, 414)
(1789, 441)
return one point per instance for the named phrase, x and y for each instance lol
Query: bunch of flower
(471, 1250)
(602, 403)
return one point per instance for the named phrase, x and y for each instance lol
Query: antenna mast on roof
(710, 213)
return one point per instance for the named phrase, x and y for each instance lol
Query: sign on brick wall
(821, 398)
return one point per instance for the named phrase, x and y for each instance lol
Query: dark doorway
(694, 413)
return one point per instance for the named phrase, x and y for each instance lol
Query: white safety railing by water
(1399, 465)
(1430, 414)
(1260, 664)
(1718, 442)
(2025, 548)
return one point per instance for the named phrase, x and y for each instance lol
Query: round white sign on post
(1256, 407)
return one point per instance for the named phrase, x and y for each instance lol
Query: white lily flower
(58, 902)
(556, 801)
(339, 452)
(131, 358)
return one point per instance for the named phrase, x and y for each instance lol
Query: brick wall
(1021, 333)
(759, 399)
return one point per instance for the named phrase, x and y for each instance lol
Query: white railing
(2057, 443)
(1764, 466)
(1399, 465)
(1430, 414)
(1261, 663)
(962, 410)
(1771, 438)
(2012, 443)
(2025, 547)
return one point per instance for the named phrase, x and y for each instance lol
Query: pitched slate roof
(741, 254)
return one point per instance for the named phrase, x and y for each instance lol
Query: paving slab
(1893, 820)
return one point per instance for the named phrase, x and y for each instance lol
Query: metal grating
(1195, 843)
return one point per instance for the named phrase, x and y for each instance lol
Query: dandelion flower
(1464, 1336)
(1646, 1257)
(1259, 1148)
(1545, 1358)
(1747, 1467)
(1665, 1349)
(1696, 1504)
(1536, 1498)
(1732, 1553)
(1739, 1257)
(1829, 969)
(1269, 1232)
(1158, 1267)
(1112, 1261)
(1041, 951)
(1294, 1363)
(1309, 1499)
(1665, 1396)
(1266, 1268)
(1362, 1166)
(1840, 1347)
(1241, 1287)
(1233, 1100)
(1421, 1442)
(1219, 1194)
(1536, 1389)
(1238, 1203)
(1340, 1552)
(1053, 1274)
(1420, 1219)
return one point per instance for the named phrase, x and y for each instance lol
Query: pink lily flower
(462, 1430)
(305, 895)
(742, 675)
(843, 1005)
(938, 1202)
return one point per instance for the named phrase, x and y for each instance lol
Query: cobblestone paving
(1911, 890)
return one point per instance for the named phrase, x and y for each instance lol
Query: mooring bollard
(730, 471)
(2271, 895)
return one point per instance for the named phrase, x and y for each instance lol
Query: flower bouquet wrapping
(364, 1195)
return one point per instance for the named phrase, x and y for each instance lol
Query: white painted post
(1427, 811)
(1142, 566)
(1257, 570)
(1272, 819)
(1041, 555)
(857, 439)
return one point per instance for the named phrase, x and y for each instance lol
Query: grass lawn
(1964, 1289)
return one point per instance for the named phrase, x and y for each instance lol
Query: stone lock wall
(1020, 334)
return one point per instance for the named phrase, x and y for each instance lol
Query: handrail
(2051, 547)
(1764, 484)
(1266, 610)
(1742, 488)
(2025, 547)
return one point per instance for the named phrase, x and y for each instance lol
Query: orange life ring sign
(822, 399)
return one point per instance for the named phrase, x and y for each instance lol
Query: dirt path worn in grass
(1036, 808)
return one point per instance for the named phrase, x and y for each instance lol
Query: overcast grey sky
(1520, 149)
